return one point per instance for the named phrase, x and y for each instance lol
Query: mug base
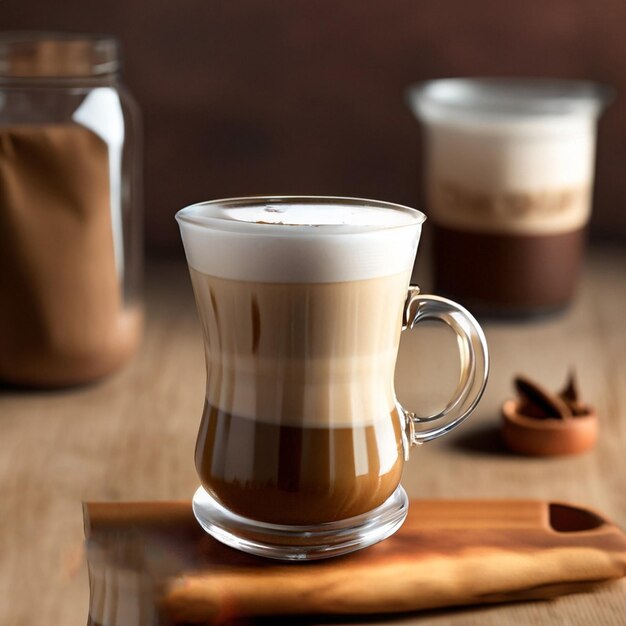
(300, 543)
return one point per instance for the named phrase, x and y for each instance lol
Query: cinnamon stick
(547, 403)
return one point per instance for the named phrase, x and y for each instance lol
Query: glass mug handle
(474, 363)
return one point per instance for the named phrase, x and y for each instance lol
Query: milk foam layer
(299, 240)
(357, 217)
(510, 155)
(517, 176)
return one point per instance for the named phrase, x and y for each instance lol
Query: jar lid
(506, 98)
(31, 54)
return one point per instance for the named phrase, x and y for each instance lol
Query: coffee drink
(300, 384)
(518, 273)
(299, 474)
(509, 177)
(517, 206)
(301, 424)
(302, 301)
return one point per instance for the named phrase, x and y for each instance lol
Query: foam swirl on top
(299, 239)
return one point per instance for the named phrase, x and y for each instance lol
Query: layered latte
(301, 324)
(510, 203)
(509, 177)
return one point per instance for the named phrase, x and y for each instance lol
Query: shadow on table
(484, 440)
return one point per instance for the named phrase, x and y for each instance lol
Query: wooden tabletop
(131, 437)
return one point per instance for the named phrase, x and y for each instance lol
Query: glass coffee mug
(302, 301)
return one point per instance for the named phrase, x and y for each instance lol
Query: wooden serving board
(447, 553)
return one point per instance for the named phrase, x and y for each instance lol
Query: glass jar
(70, 210)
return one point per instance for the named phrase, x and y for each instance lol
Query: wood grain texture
(447, 553)
(131, 437)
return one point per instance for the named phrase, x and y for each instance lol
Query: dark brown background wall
(291, 96)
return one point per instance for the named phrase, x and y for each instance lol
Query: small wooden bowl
(548, 437)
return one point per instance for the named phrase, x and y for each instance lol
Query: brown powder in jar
(62, 316)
